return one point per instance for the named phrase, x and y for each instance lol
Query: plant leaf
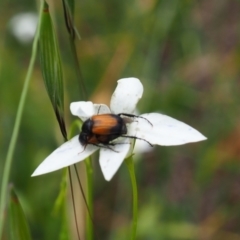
(19, 226)
(51, 67)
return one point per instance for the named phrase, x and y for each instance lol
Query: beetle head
(83, 138)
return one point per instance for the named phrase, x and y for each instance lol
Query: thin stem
(82, 191)
(73, 200)
(69, 21)
(130, 165)
(89, 198)
(12, 145)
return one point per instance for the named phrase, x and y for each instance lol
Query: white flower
(162, 130)
(23, 26)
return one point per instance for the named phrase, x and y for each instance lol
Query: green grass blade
(19, 226)
(51, 67)
(12, 145)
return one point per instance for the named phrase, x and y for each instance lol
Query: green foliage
(19, 226)
(51, 67)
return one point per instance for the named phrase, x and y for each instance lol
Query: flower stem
(89, 198)
(12, 145)
(130, 165)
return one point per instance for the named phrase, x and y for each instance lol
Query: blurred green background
(187, 55)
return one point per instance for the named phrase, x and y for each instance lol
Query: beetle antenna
(84, 147)
(134, 116)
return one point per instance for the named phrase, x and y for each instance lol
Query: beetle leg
(138, 139)
(105, 146)
(99, 109)
(109, 144)
(113, 144)
(134, 116)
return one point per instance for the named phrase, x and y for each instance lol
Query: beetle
(104, 128)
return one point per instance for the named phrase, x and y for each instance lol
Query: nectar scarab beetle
(104, 128)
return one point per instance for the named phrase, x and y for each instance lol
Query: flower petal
(101, 109)
(83, 110)
(164, 130)
(67, 154)
(126, 95)
(111, 160)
